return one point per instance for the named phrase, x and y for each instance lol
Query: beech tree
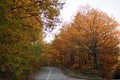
(21, 24)
(92, 37)
(98, 32)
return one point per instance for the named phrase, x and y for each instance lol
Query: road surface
(52, 73)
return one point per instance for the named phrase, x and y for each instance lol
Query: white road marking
(49, 74)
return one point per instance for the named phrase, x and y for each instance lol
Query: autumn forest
(89, 44)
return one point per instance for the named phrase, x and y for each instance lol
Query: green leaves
(21, 24)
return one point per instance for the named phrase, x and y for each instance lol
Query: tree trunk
(89, 57)
(71, 60)
(96, 60)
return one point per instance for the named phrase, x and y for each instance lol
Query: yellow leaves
(91, 33)
(21, 35)
(76, 65)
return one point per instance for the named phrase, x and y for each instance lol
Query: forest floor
(77, 74)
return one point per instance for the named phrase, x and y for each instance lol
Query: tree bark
(89, 56)
(96, 60)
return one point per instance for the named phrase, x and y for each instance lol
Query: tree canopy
(91, 41)
(21, 24)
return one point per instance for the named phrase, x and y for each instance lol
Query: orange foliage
(90, 42)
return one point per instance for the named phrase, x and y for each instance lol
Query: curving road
(52, 73)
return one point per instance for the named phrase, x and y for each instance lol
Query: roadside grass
(33, 74)
(77, 74)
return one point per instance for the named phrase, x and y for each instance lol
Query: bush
(116, 74)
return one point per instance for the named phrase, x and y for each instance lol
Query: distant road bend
(52, 73)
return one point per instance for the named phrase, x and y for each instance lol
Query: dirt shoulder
(76, 74)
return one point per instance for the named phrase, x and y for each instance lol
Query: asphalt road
(52, 73)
